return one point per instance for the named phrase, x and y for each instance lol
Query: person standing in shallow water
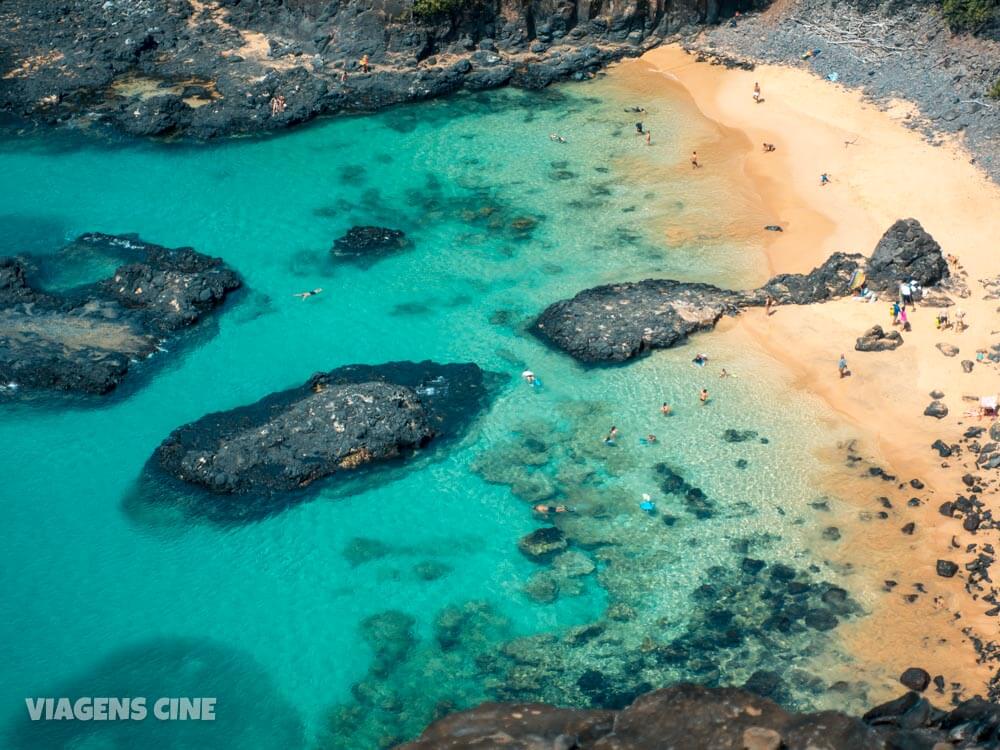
(703, 396)
(665, 409)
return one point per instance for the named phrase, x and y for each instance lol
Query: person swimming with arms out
(612, 436)
(307, 295)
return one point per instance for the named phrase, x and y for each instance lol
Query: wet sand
(880, 171)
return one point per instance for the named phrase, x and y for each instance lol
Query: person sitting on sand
(768, 148)
(665, 409)
(703, 396)
(307, 295)
(694, 160)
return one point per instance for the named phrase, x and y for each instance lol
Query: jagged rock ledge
(618, 322)
(217, 67)
(690, 716)
(85, 339)
(336, 423)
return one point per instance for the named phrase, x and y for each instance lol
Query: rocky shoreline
(618, 322)
(211, 68)
(690, 716)
(86, 339)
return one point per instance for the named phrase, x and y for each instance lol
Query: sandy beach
(880, 171)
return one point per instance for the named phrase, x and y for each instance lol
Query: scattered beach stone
(946, 568)
(942, 448)
(877, 340)
(915, 678)
(937, 394)
(431, 570)
(948, 350)
(909, 528)
(916, 484)
(831, 533)
(936, 409)
(543, 544)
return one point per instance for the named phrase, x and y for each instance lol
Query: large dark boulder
(86, 339)
(877, 340)
(906, 252)
(336, 423)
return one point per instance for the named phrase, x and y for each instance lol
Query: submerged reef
(340, 422)
(618, 322)
(86, 338)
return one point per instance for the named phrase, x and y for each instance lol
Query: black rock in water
(877, 340)
(86, 339)
(365, 245)
(336, 423)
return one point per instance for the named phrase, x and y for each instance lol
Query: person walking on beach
(824, 179)
(842, 366)
(756, 92)
(703, 396)
(903, 319)
(769, 303)
(694, 160)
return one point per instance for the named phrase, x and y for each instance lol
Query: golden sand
(881, 171)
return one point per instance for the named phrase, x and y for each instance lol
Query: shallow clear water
(503, 221)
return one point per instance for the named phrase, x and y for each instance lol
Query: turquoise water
(272, 617)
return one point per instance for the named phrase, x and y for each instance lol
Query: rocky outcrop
(366, 245)
(690, 716)
(337, 423)
(877, 340)
(217, 67)
(86, 339)
(906, 252)
(618, 322)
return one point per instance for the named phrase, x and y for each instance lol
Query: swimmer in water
(307, 295)
(612, 435)
(724, 374)
(556, 137)
(546, 509)
(529, 377)
(651, 438)
(665, 409)
(703, 396)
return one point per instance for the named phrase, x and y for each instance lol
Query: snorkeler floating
(307, 295)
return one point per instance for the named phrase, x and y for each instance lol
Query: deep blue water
(273, 617)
